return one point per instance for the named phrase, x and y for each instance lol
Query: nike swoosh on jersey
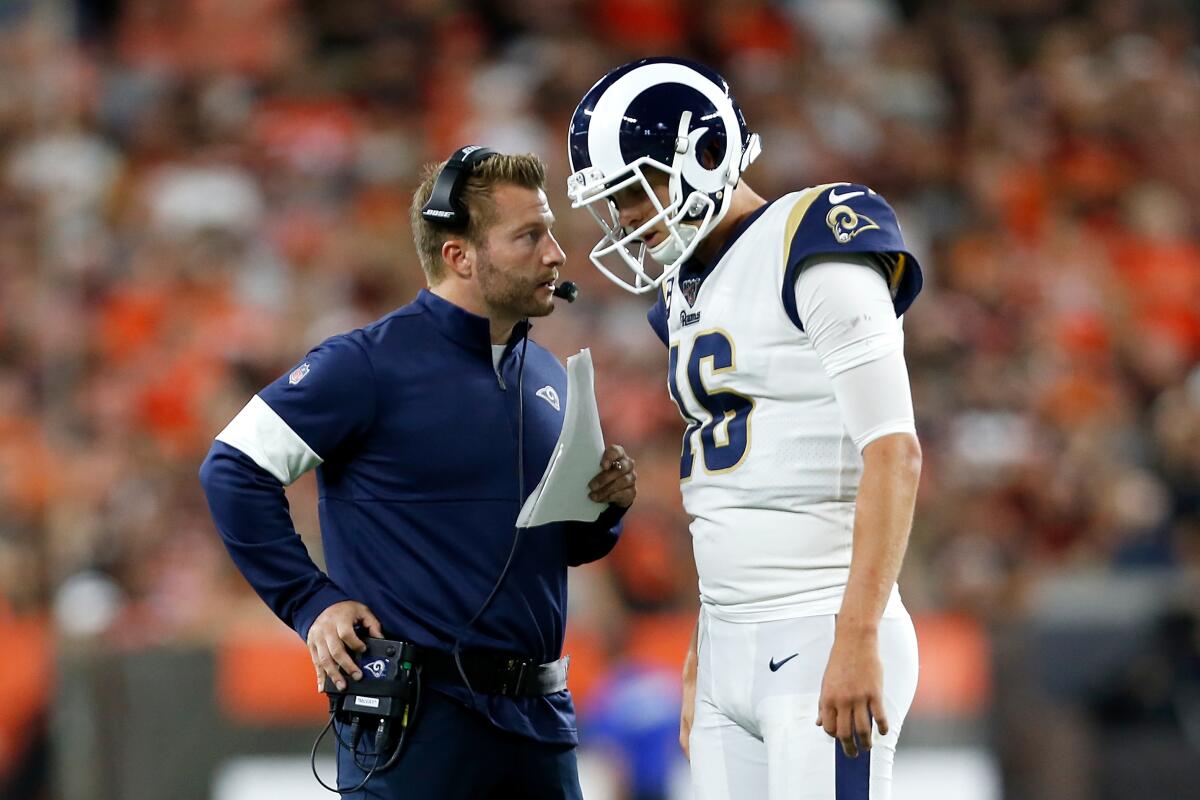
(775, 665)
(835, 198)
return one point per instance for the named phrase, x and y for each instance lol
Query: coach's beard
(669, 251)
(518, 298)
(512, 295)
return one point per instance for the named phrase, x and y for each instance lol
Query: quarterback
(800, 462)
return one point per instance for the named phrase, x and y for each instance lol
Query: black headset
(445, 206)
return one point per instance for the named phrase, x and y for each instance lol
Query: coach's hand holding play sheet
(562, 493)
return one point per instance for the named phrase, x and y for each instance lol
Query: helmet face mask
(621, 251)
(651, 118)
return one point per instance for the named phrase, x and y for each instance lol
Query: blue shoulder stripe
(847, 218)
(657, 315)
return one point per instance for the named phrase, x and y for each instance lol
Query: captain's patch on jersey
(548, 394)
(298, 374)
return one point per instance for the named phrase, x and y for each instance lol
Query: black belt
(496, 673)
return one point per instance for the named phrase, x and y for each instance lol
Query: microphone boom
(567, 290)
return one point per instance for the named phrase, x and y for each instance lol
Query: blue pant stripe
(852, 776)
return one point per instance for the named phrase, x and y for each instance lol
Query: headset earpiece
(445, 206)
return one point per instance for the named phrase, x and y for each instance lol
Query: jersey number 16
(723, 415)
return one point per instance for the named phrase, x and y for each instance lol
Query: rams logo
(846, 223)
(548, 394)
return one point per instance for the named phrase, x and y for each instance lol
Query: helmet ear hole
(710, 157)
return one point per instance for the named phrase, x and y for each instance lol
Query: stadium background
(192, 192)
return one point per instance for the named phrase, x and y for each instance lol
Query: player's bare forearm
(882, 521)
(689, 661)
(688, 709)
(852, 688)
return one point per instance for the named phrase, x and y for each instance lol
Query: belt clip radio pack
(387, 685)
(385, 699)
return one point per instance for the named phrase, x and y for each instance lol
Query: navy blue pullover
(414, 436)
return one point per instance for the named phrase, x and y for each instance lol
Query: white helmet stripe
(604, 142)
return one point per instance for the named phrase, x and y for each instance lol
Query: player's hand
(617, 480)
(331, 633)
(852, 691)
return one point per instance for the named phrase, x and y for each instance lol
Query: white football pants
(755, 736)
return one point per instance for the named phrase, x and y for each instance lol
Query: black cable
(456, 650)
(355, 736)
(312, 761)
(312, 755)
(407, 722)
(352, 746)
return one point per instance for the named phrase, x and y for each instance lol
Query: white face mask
(669, 251)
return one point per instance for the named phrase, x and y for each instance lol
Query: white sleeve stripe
(268, 441)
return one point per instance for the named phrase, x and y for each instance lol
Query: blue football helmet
(664, 114)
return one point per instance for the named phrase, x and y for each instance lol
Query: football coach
(428, 428)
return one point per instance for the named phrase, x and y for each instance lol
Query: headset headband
(445, 206)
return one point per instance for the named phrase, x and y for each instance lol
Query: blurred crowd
(194, 192)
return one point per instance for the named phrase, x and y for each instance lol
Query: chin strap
(671, 249)
(681, 151)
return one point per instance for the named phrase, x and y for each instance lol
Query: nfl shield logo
(298, 374)
(690, 288)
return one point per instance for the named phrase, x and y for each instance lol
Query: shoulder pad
(845, 218)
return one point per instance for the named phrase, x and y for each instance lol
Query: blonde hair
(525, 170)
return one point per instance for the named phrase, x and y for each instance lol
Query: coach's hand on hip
(331, 633)
(617, 480)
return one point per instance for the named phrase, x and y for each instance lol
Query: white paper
(562, 493)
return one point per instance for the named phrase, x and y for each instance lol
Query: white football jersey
(769, 473)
